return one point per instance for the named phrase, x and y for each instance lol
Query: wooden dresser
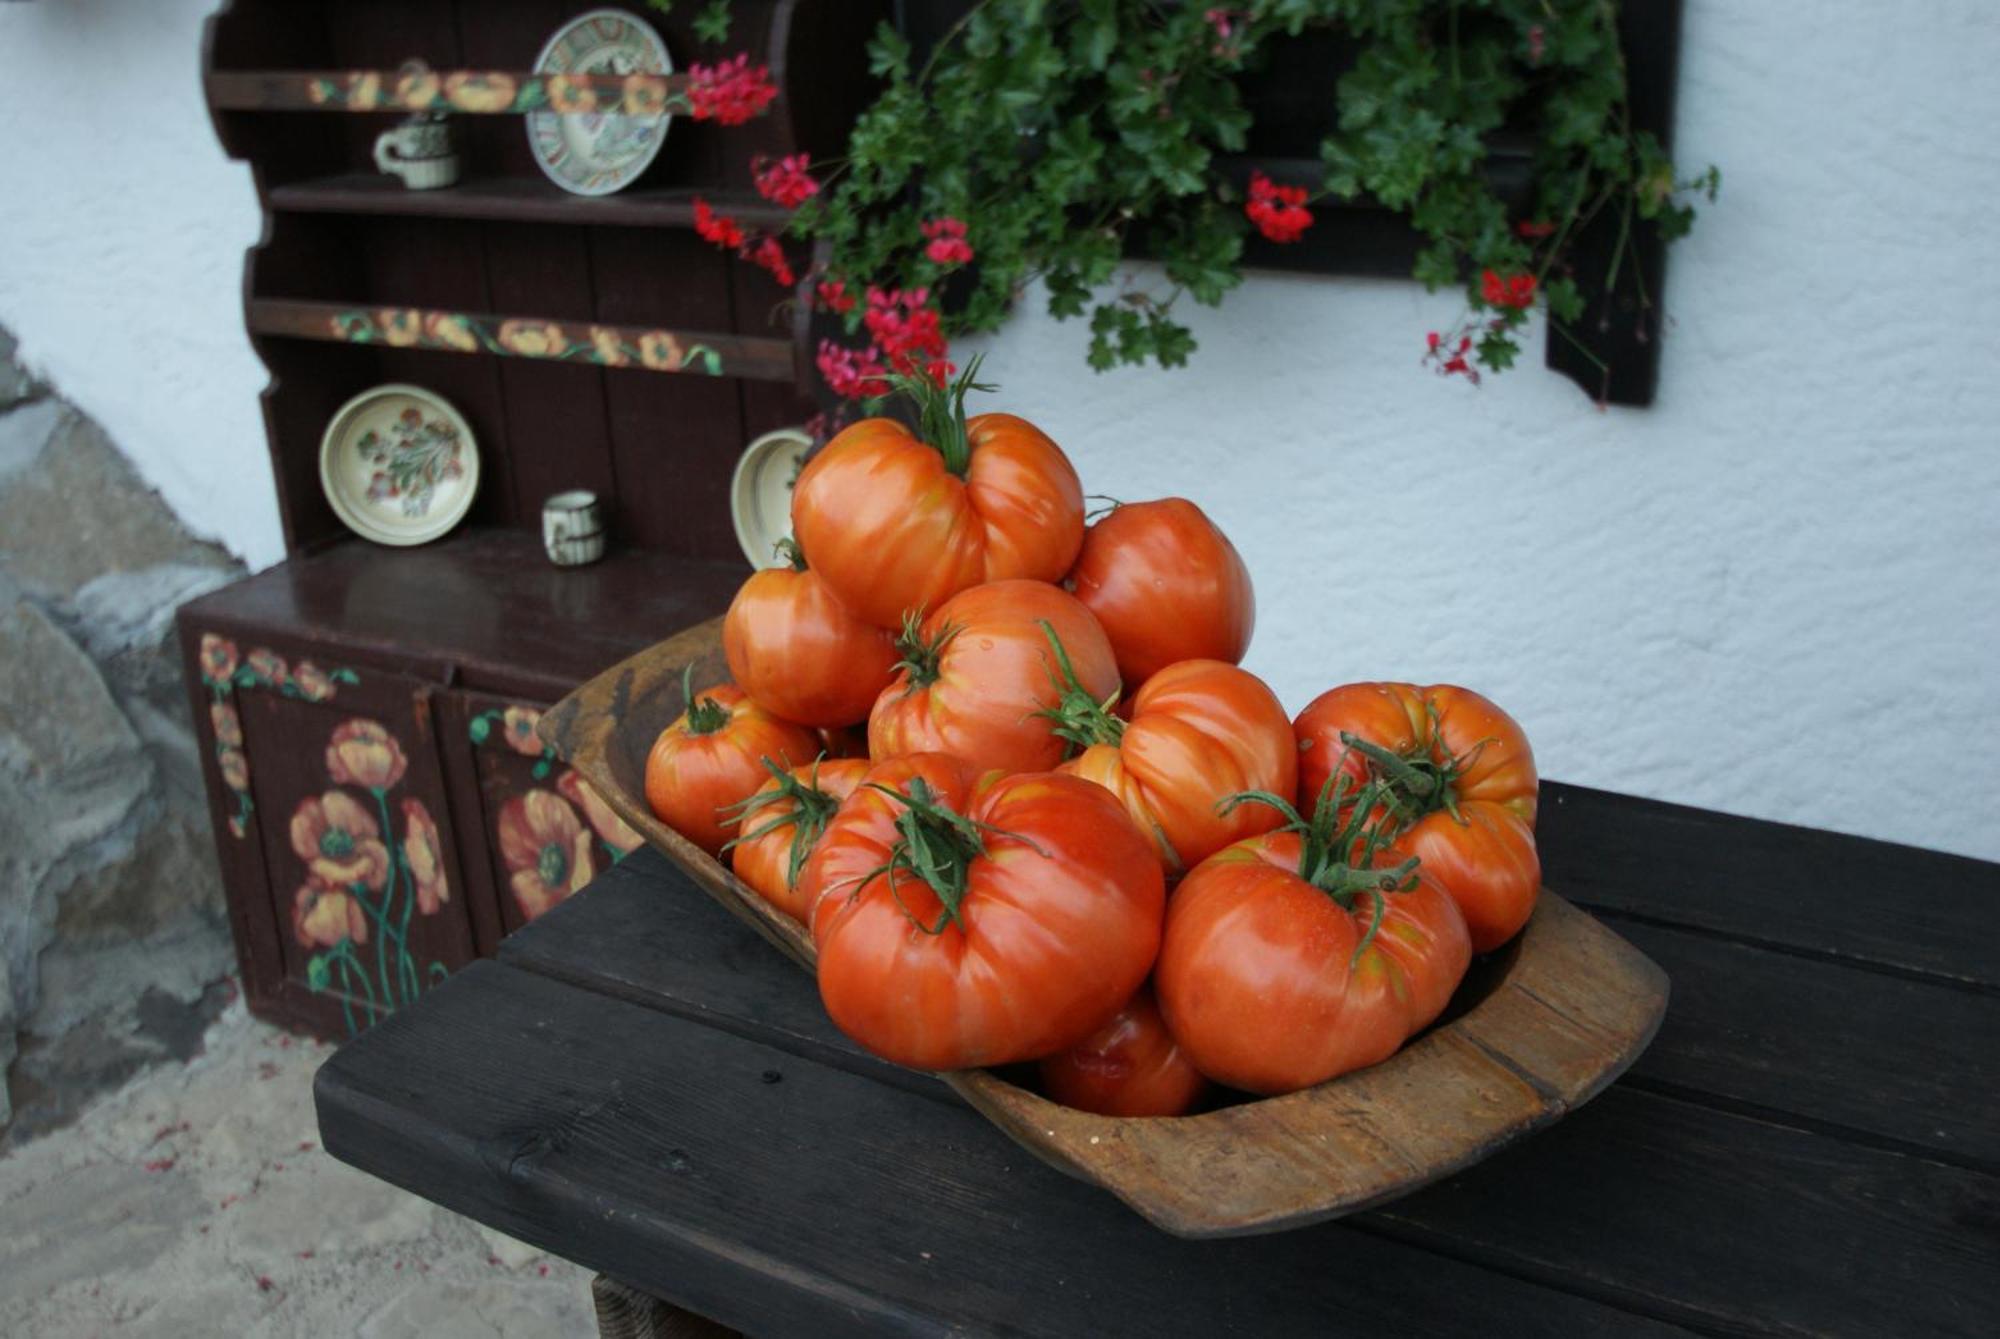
(383, 812)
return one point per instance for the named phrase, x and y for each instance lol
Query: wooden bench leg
(624, 1312)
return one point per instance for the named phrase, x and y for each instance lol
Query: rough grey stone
(57, 716)
(169, 876)
(7, 1046)
(78, 511)
(24, 432)
(15, 383)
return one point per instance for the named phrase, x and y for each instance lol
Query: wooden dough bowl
(1537, 1029)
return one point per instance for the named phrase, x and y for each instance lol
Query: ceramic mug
(420, 151)
(573, 528)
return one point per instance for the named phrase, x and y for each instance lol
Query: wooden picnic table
(1811, 1145)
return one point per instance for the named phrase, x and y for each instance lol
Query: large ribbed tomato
(1200, 731)
(1461, 775)
(783, 821)
(977, 675)
(1167, 586)
(712, 756)
(966, 919)
(1132, 1066)
(1283, 966)
(895, 522)
(799, 653)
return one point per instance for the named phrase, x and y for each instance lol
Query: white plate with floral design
(584, 146)
(399, 465)
(760, 493)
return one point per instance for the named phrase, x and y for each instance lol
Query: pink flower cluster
(729, 92)
(906, 337)
(1279, 212)
(765, 251)
(785, 183)
(947, 241)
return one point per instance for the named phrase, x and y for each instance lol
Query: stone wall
(112, 934)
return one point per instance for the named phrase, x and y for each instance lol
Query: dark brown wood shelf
(482, 608)
(520, 200)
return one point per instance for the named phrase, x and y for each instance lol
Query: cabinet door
(544, 831)
(331, 775)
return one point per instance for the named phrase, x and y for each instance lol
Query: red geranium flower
(717, 228)
(768, 255)
(785, 182)
(1279, 212)
(853, 374)
(730, 92)
(1514, 290)
(947, 241)
(833, 295)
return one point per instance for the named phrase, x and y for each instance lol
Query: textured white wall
(1773, 593)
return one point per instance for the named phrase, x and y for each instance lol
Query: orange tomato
(979, 673)
(712, 756)
(1132, 1066)
(1167, 586)
(896, 523)
(783, 821)
(1198, 732)
(1276, 974)
(799, 653)
(966, 919)
(1460, 775)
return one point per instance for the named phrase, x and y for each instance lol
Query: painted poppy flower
(340, 842)
(547, 850)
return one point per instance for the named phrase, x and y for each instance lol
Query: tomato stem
(936, 845)
(1079, 718)
(806, 808)
(704, 716)
(922, 656)
(941, 412)
(789, 550)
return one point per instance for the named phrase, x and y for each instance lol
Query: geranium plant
(1048, 140)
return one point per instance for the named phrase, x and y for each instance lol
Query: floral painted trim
(361, 885)
(517, 729)
(480, 92)
(462, 332)
(224, 670)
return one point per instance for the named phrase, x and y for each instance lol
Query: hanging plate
(760, 493)
(591, 151)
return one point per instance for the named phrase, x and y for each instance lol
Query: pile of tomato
(1005, 766)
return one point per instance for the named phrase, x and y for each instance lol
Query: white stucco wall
(1773, 593)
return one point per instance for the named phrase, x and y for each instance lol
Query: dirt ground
(196, 1201)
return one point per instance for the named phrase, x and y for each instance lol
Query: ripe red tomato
(783, 821)
(1129, 1067)
(1167, 586)
(800, 654)
(979, 672)
(1272, 982)
(712, 756)
(1461, 775)
(966, 919)
(1199, 731)
(896, 523)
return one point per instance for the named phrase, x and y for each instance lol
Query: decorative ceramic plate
(593, 152)
(399, 465)
(760, 493)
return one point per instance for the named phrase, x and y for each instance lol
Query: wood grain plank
(1869, 902)
(783, 1197)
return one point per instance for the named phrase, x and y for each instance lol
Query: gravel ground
(196, 1201)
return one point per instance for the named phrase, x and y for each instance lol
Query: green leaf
(344, 676)
(316, 972)
(889, 54)
(540, 769)
(712, 24)
(482, 726)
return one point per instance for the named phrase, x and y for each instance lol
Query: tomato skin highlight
(890, 529)
(1132, 1066)
(1259, 981)
(691, 777)
(764, 861)
(993, 677)
(1199, 731)
(1167, 585)
(1057, 928)
(1485, 857)
(799, 654)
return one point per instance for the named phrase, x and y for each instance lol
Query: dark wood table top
(1810, 1146)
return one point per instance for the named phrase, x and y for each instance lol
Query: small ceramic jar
(573, 528)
